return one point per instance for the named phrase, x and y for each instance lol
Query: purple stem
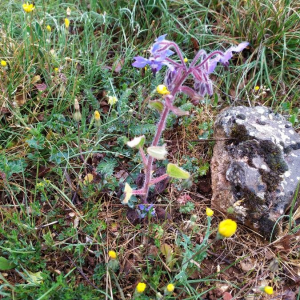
(172, 44)
(158, 179)
(160, 127)
(144, 158)
(199, 54)
(208, 57)
(176, 64)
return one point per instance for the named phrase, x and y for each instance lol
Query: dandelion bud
(97, 115)
(209, 212)
(67, 22)
(76, 104)
(68, 11)
(77, 116)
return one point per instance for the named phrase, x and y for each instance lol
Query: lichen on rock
(255, 166)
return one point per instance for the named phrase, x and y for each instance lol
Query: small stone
(255, 166)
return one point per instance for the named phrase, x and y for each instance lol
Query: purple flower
(144, 210)
(155, 64)
(228, 54)
(203, 85)
(224, 59)
(159, 53)
(161, 48)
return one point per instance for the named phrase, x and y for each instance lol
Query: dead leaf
(227, 296)
(167, 251)
(41, 86)
(162, 214)
(36, 79)
(20, 96)
(43, 171)
(76, 222)
(133, 216)
(289, 295)
(121, 175)
(247, 265)
(117, 66)
(195, 44)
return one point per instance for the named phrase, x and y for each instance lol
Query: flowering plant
(177, 72)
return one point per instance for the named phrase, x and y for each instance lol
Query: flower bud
(76, 104)
(97, 115)
(77, 116)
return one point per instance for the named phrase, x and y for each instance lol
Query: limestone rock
(255, 166)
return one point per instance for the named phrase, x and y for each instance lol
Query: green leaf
(5, 264)
(177, 172)
(158, 152)
(157, 105)
(35, 278)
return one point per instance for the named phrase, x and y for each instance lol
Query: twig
(84, 276)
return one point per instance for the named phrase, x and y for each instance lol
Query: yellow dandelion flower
(162, 89)
(227, 228)
(97, 115)
(48, 27)
(209, 212)
(140, 288)
(28, 7)
(268, 290)
(3, 63)
(170, 287)
(112, 254)
(256, 88)
(185, 60)
(67, 22)
(112, 100)
(56, 69)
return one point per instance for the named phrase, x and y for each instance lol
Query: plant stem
(160, 128)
